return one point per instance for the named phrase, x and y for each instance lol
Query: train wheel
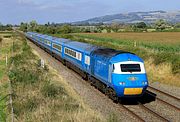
(111, 94)
(104, 89)
(84, 76)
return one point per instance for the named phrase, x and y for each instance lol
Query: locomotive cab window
(130, 67)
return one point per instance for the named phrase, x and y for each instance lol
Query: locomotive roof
(51, 38)
(108, 52)
(80, 46)
(60, 40)
(88, 48)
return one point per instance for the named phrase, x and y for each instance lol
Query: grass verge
(41, 94)
(5, 50)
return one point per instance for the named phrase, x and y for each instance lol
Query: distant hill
(134, 17)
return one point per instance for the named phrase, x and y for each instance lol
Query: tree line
(7, 27)
(52, 28)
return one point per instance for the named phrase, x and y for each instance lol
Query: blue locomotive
(114, 72)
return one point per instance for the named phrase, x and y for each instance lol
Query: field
(164, 42)
(154, 37)
(160, 51)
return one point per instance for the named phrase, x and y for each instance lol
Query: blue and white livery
(117, 73)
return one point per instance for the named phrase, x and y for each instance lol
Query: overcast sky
(16, 11)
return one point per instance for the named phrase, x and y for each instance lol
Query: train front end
(128, 75)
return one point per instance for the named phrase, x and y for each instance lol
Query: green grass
(1, 73)
(2, 69)
(157, 46)
(3, 101)
(4, 50)
(6, 32)
(2, 111)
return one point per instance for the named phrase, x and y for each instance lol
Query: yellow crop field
(162, 37)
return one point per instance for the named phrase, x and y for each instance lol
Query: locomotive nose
(130, 84)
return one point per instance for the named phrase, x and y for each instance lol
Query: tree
(9, 27)
(65, 29)
(1, 27)
(161, 24)
(141, 25)
(177, 25)
(32, 25)
(115, 26)
(24, 27)
(1, 39)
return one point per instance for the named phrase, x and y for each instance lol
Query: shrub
(1, 39)
(51, 90)
(15, 47)
(29, 105)
(71, 106)
(24, 75)
(176, 66)
(162, 57)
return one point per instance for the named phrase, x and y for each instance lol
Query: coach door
(87, 62)
(110, 73)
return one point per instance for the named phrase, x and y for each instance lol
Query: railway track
(132, 113)
(165, 102)
(149, 110)
(153, 112)
(162, 92)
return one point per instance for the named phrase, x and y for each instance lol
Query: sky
(59, 11)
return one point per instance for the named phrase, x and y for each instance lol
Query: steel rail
(132, 113)
(152, 112)
(164, 101)
(169, 95)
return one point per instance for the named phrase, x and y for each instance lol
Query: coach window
(49, 43)
(58, 47)
(74, 54)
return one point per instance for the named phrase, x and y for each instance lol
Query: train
(116, 73)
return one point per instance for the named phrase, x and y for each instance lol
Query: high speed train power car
(116, 73)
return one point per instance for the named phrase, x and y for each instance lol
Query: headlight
(144, 83)
(122, 83)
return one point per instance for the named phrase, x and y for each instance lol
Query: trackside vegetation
(5, 51)
(40, 94)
